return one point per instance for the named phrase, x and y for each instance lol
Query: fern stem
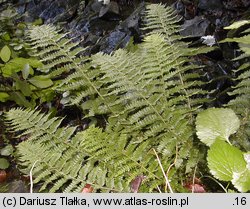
(165, 176)
(194, 178)
(31, 176)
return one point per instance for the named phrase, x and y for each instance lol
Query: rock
(132, 22)
(18, 187)
(95, 6)
(234, 4)
(246, 3)
(54, 11)
(210, 4)
(109, 11)
(195, 27)
(113, 41)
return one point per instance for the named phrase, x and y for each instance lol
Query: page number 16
(240, 201)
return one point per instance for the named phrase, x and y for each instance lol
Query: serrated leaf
(241, 181)
(216, 122)
(237, 24)
(224, 160)
(5, 53)
(17, 64)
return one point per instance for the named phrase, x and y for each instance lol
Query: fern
(69, 161)
(59, 54)
(240, 104)
(159, 19)
(149, 97)
(151, 91)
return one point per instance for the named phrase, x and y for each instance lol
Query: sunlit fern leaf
(155, 95)
(30, 120)
(161, 19)
(67, 163)
(148, 96)
(58, 53)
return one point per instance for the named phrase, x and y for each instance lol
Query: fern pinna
(240, 92)
(148, 96)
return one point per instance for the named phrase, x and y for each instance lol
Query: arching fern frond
(58, 53)
(148, 95)
(162, 20)
(66, 162)
(151, 91)
(32, 122)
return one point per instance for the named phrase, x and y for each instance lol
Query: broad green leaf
(237, 24)
(5, 53)
(7, 150)
(26, 71)
(41, 82)
(17, 65)
(241, 181)
(224, 160)
(4, 163)
(6, 36)
(3, 97)
(216, 122)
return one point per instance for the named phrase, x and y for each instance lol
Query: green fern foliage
(58, 53)
(150, 93)
(163, 20)
(148, 96)
(159, 19)
(240, 104)
(67, 161)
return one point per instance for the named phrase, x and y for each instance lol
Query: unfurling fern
(149, 97)
(241, 103)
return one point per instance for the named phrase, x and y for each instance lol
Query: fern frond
(241, 92)
(162, 20)
(148, 95)
(33, 122)
(151, 91)
(58, 53)
(69, 162)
